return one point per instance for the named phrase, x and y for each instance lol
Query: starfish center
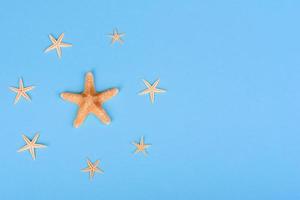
(116, 36)
(88, 98)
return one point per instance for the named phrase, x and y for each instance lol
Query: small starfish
(90, 101)
(141, 147)
(116, 37)
(21, 91)
(92, 168)
(151, 89)
(31, 145)
(57, 44)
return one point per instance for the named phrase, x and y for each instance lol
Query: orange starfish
(31, 145)
(92, 168)
(151, 89)
(90, 101)
(141, 146)
(116, 37)
(57, 44)
(21, 91)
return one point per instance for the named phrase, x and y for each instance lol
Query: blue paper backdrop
(228, 127)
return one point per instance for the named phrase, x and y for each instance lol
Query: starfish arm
(74, 98)
(89, 86)
(35, 138)
(58, 51)
(92, 173)
(81, 115)
(152, 97)
(155, 83)
(17, 98)
(106, 95)
(24, 148)
(142, 141)
(145, 152)
(26, 139)
(21, 85)
(90, 164)
(87, 169)
(158, 90)
(135, 144)
(39, 146)
(137, 151)
(101, 114)
(147, 83)
(65, 44)
(14, 89)
(25, 95)
(112, 41)
(50, 48)
(60, 38)
(121, 41)
(53, 40)
(32, 152)
(28, 88)
(96, 163)
(99, 170)
(146, 91)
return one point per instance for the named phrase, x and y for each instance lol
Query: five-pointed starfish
(151, 89)
(90, 101)
(141, 147)
(21, 91)
(116, 37)
(31, 145)
(57, 44)
(92, 168)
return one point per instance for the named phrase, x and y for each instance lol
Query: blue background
(228, 127)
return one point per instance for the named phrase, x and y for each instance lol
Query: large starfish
(90, 101)
(151, 89)
(92, 168)
(116, 37)
(31, 145)
(141, 146)
(57, 44)
(21, 91)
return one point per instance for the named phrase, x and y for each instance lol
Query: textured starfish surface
(31, 145)
(90, 101)
(57, 44)
(21, 91)
(151, 90)
(92, 168)
(116, 37)
(141, 146)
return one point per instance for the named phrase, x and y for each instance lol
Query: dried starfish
(151, 89)
(92, 168)
(21, 91)
(141, 146)
(31, 145)
(57, 44)
(116, 37)
(90, 101)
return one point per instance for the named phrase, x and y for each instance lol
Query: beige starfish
(92, 168)
(141, 146)
(21, 91)
(151, 89)
(116, 37)
(90, 101)
(57, 44)
(31, 145)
